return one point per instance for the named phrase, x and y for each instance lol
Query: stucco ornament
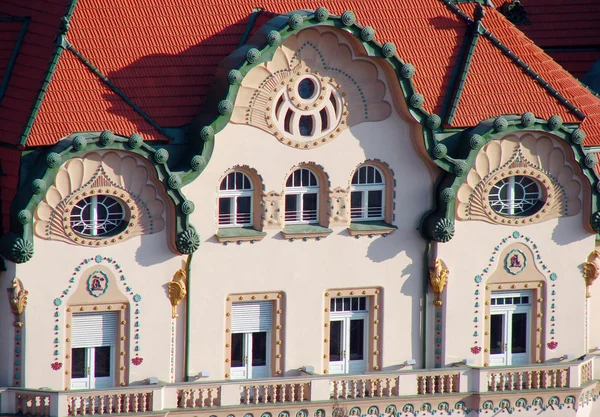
(438, 277)
(97, 283)
(515, 261)
(315, 87)
(17, 298)
(542, 159)
(178, 289)
(591, 270)
(119, 175)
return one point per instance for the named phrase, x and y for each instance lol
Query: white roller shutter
(94, 329)
(252, 317)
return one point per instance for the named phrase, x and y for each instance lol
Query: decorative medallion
(515, 261)
(97, 283)
(56, 366)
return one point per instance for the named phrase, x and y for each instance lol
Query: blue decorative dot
(553, 276)
(57, 302)
(137, 298)
(516, 234)
(98, 258)
(478, 279)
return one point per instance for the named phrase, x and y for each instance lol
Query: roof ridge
(69, 46)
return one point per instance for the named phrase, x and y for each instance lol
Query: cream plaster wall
(305, 270)
(147, 264)
(563, 245)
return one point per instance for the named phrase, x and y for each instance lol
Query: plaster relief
(340, 206)
(119, 175)
(542, 159)
(272, 210)
(314, 87)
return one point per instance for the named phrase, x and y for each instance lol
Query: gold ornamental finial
(177, 288)
(591, 270)
(17, 297)
(438, 277)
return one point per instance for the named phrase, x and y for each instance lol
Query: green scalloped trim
(461, 155)
(44, 173)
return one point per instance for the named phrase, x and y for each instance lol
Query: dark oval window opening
(306, 88)
(306, 125)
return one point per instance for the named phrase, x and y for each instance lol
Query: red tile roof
(577, 63)
(162, 53)
(9, 179)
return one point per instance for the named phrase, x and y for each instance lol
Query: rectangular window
(291, 208)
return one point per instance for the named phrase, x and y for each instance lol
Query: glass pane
(357, 339)
(362, 175)
(225, 211)
(335, 341)
(309, 207)
(102, 361)
(259, 349)
(370, 175)
(354, 303)
(237, 349)
(291, 208)
(346, 304)
(497, 334)
(332, 305)
(375, 203)
(305, 177)
(244, 207)
(519, 333)
(290, 180)
(306, 88)
(363, 303)
(78, 363)
(356, 198)
(306, 125)
(324, 120)
(338, 304)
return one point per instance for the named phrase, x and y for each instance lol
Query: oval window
(517, 196)
(98, 215)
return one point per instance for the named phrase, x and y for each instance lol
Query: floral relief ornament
(438, 277)
(17, 297)
(591, 270)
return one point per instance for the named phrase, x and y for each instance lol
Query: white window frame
(233, 196)
(300, 192)
(92, 224)
(345, 365)
(364, 189)
(510, 202)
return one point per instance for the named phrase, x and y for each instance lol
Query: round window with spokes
(98, 216)
(516, 196)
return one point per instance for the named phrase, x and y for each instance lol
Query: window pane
(224, 183)
(346, 304)
(335, 341)
(370, 175)
(225, 211)
(289, 182)
(363, 303)
(305, 177)
(78, 363)
(237, 349)
(354, 303)
(497, 334)
(259, 349)
(355, 178)
(309, 208)
(247, 184)
(338, 304)
(519, 333)
(356, 201)
(297, 178)
(291, 208)
(306, 125)
(244, 208)
(362, 175)
(102, 361)
(357, 339)
(332, 305)
(375, 203)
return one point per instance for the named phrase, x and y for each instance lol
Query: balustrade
(350, 388)
(199, 397)
(527, 379)
(33, 404)
(275, 392)
(94, 403)
(438, 383)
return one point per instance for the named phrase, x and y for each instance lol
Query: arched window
(367, 194)
(517, 196)
(98, 216)
(302, 197)
(235, 200)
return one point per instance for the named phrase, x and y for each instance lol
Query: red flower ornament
(137, 361)
(475, 350)
(552, 345)
(56, 366)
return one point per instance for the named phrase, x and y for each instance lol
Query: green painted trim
(249, 26)
(299, 229)
(60, 38)
(188, 318)
(438, 223)
(114, 88)
(369, 226)
(17, 245)
(15, 53)
(239, 232)
(461, 77)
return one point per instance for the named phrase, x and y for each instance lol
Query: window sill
(305, 231)
(239, 234)
(371, 228)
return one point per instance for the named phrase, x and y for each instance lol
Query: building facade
(316, 240)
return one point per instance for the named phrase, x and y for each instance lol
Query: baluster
(265, 399)
(493, 383)
(421, 385)
(274, 389)
(363, 388)
(518, 381)
(345, 389)
(388, 385)
(503, 378)
(371, 388)
(110, 404)
(136, 399)
(442, 384)
(379, 383)
(83, 406)
(211, 394)
(101, 404)
(128, 403)
(301, 394)
(450, 383)
(119, 404)
(282, 392)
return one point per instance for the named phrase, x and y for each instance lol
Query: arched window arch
(367, 194)
(302, 197)
(236, 194)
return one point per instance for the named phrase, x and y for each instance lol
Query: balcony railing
(304, 392)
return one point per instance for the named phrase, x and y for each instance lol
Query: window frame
(364, 190)
(92, 221)
(233, 195)
(302, 191)
(494, 198)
